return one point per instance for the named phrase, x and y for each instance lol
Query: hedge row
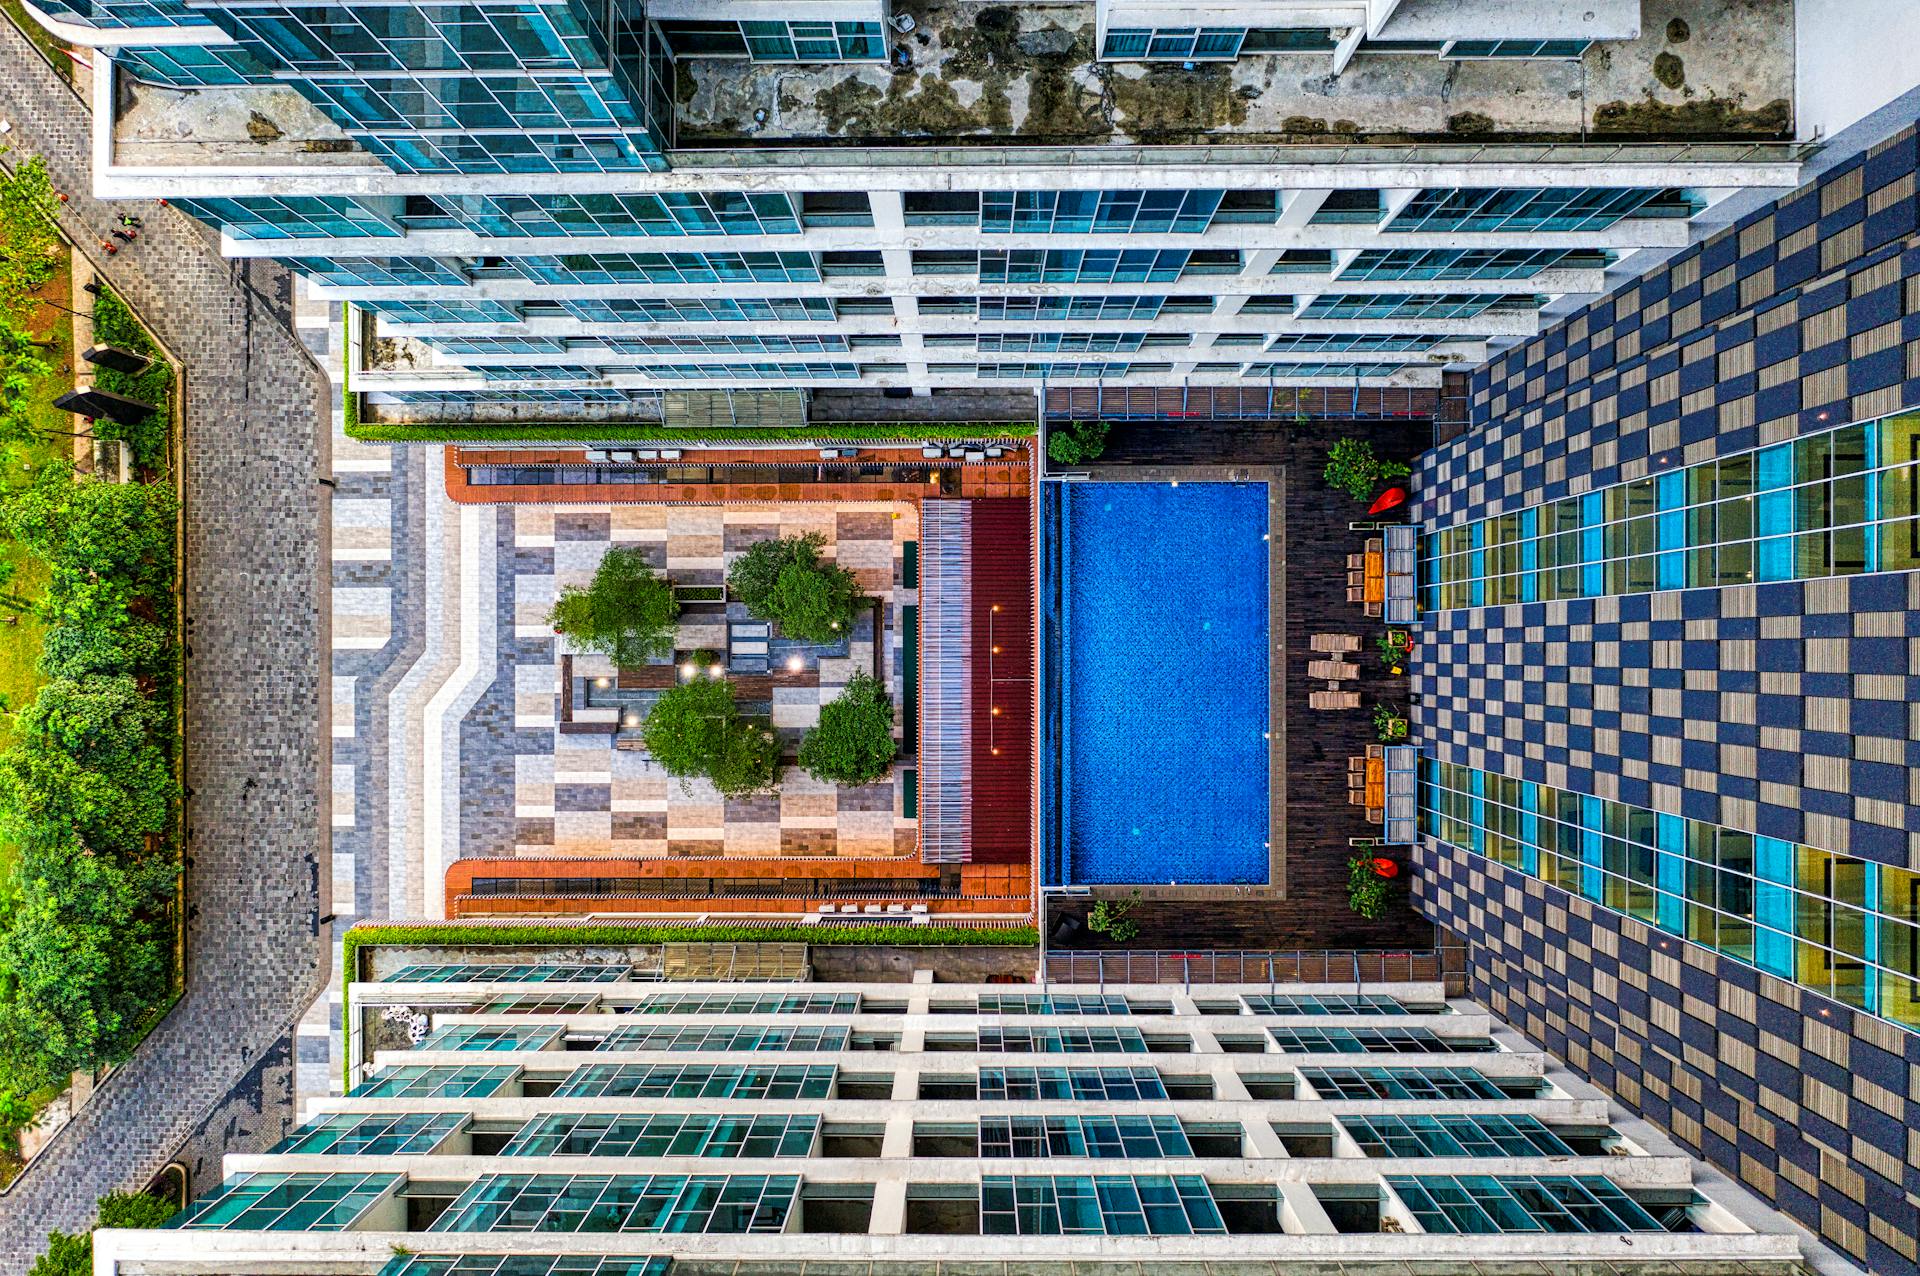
(455, 935)
(507, 434)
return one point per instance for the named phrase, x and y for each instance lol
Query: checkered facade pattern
(1812, 1105)
(1782, 709)
(1799, 317)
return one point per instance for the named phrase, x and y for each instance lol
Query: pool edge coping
(1275, 479)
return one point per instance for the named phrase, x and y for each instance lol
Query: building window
(1419, 1136)
(1103, 1205)
(697, 1203)
(1080, 1084)
(429, 1082)
(1400, 1083)
(664, 1134)
(1475, 1203)
(468, 973)
(288, 1203)
(1371, 1003)
(473, 1036)
(697, 1081)
(1373, 1041)
(1560, 208)
(1516, 48)
(693, 1003)
(373, 1133)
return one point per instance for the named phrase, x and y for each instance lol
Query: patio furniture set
(1367, 577)
(1333, 668)
(1367, 783)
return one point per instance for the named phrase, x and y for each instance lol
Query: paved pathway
(213, 1076)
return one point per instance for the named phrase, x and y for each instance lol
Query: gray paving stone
(215, 1074)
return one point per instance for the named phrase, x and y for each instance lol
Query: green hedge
(455, 935)
(506, 433)
(349, 401)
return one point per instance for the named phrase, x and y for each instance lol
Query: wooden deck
(1315, 914)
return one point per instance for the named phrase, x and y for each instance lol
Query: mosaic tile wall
(1782, 709)
(1813, 1106)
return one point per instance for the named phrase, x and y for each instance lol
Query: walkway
(215, 1075)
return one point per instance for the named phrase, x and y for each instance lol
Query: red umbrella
(1390, 498)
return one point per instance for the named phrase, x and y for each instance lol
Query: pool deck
(1275, 478)
(1313, 914)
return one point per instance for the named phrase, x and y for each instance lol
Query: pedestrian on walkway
(128, 219)
(125, 236)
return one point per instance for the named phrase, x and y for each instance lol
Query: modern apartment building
(584, 1116)
(1666, 680)
(570, 210)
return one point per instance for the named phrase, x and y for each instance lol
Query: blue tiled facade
(1779, 708)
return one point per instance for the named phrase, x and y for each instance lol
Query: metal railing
(1324, 966)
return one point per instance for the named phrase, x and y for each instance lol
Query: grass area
(482, 434)
(55, 52)
(21, 632)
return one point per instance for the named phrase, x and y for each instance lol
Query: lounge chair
(917, 908)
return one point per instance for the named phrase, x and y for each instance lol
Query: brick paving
(212, 1074)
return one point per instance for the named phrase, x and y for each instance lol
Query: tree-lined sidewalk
(253, 551)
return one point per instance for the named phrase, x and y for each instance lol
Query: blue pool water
(1162, 680)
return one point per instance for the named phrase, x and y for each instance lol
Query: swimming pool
(1158, 674)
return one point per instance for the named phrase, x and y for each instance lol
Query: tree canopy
(786, 581)
(627, 613)
(853, 741)
(29, 243)
(695, 729)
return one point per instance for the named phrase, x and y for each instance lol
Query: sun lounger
(1334, 644)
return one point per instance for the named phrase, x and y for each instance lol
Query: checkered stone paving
(579, 796)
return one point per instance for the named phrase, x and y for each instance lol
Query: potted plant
(1396, 645)
(1367, 878)
(1389, 723)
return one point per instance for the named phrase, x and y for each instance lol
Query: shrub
(21, 369)
(1109, 917)
(694, 729)
(853, 742)
(1366, 887)
(73, 1255)
(786, 581)
(1354, 469)
(106, 545)
(134, 647)
(627, 613)
(134, 1209)
(66, 1256)
(114, 325)
(29, 244)
(1076, 442)
(85, 959)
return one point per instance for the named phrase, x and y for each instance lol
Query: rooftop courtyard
(1026, 72)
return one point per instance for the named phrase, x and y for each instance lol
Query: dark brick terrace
(1315, 914)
